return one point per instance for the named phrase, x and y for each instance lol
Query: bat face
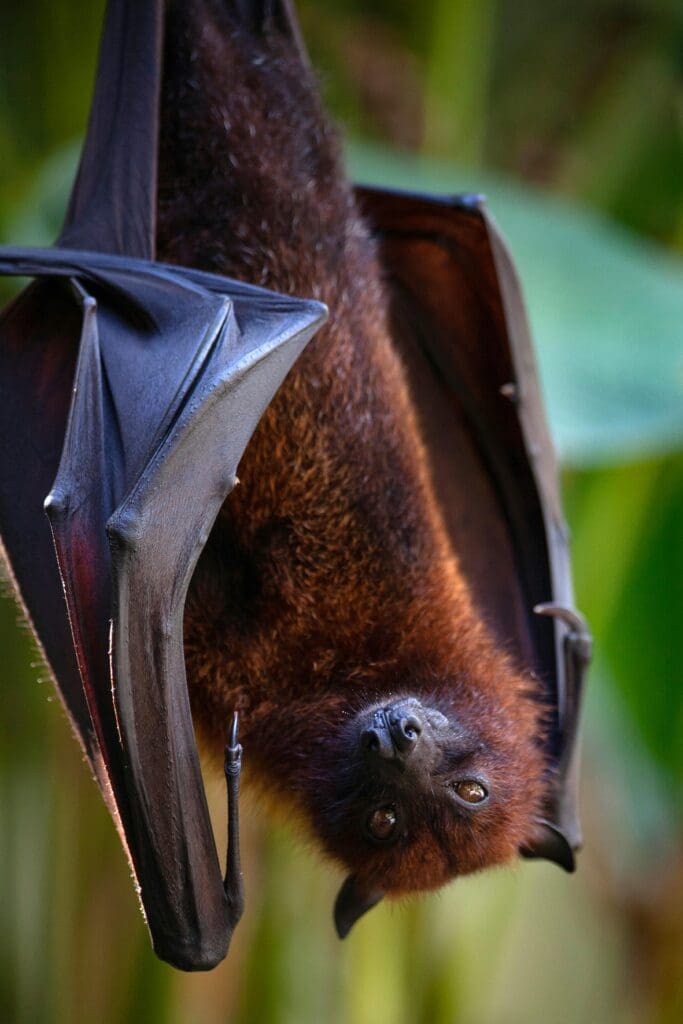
(427, 788)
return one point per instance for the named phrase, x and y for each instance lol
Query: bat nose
(405, 727)
(394, 732)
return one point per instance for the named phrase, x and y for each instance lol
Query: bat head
(426, 788)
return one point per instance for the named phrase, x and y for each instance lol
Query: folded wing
(459, 320)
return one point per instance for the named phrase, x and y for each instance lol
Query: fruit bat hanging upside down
(382, 607)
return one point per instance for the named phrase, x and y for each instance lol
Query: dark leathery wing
(129, 391)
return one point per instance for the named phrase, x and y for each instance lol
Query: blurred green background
(568, 114)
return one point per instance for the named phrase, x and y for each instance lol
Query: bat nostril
(411, 727)
(376, 740)
(405, 729)
(370, 740)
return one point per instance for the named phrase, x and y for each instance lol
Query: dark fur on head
(328, 585)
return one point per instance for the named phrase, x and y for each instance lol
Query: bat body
(328, 584)
(364, 599)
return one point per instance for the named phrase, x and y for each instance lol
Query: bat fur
(328, 587)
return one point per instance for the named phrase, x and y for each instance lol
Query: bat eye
(381, 824)
(470, 791)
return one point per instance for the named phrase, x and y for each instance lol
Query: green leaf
(606, 311)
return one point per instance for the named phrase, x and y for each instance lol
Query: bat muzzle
(394, 731)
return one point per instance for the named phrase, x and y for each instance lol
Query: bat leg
(233, 882)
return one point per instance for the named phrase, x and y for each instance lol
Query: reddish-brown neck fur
(328, 580)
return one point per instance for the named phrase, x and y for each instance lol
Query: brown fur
(328, 581)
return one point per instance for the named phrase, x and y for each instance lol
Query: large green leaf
(606, 311)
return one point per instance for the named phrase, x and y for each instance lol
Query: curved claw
(233, 748)
(569, 616)
(234, 728)
(579, 639)
(233, 751)
(550, 843)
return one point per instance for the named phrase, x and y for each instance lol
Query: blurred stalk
(48, 52)
(623, 156)
(457, 78)
(613, 508)
(628, 561)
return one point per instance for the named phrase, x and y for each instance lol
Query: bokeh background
(568, 114)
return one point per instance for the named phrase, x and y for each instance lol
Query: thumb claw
(234, 728)
(569, 616)
(233, 751)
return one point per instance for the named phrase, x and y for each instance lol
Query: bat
(381, 613)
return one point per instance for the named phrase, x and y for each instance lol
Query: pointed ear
(548, 843)
(352, 902)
